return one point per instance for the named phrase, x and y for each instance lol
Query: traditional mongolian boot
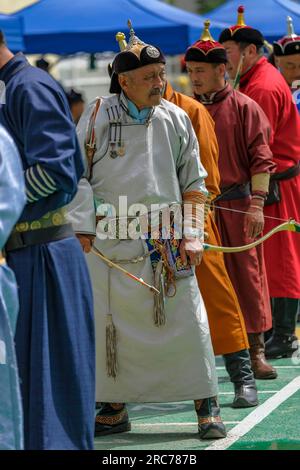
(112, 418)
(238, 366)
(283, 342)
(282, 345)
(261, 369)
(210, 425)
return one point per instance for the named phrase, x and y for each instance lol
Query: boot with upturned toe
(261, 369)
(238, 366)
(112, 418)
(210, 424)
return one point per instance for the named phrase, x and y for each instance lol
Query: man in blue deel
(55, 330)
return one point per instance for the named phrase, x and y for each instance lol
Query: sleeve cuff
(39, 183)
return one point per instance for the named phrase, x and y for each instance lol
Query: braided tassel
(111, 337)
(159, 299)
(111, 347)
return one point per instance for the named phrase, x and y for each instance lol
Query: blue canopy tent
(269, 16)
(291, 5)
(67, 27)
(12, 28)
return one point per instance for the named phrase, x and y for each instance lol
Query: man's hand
(86, 241)
(254, 220)
(191, 248)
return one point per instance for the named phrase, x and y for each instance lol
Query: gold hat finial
(290, 27)
(241, 18)
(121, 38)
(133, 39)
(206, 36)
(131, 30)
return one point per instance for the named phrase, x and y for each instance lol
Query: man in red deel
(263, 83)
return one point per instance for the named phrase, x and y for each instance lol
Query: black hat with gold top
(133, 55)
(241, 32)
(206, 49)
(289, 44)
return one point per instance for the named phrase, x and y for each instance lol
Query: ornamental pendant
(113, 152)
(121, 149)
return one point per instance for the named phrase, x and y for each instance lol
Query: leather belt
(2, 259)
(287, 174)
(18, 240)
(235, 191)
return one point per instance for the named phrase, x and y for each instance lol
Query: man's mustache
(156, 91)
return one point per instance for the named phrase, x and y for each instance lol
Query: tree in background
(207, 5)
(202, 6)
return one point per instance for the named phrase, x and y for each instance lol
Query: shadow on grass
(136, 440)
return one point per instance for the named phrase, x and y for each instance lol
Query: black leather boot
(283, 342)
(210, 425)
(112, 418)
(238, 366)
(281, 345)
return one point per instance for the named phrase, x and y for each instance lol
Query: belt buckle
(16, 241)
(20, 240)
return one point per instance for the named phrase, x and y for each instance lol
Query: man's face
(289, 67)
(234, 55)
(144, 86)
(205, 78)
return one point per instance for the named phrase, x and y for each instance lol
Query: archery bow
(291, 226)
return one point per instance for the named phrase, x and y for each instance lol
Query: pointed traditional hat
(241, 32)
(206, 49)
(289, 44)
(133, 55)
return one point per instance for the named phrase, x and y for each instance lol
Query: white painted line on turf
(259, 391)
(145, 425)
(277, 367)
(256, 416)
(287, 367)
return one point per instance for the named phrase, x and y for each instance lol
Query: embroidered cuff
(193, 212)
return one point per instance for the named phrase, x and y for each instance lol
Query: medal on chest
(116, 144)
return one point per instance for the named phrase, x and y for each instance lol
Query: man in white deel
(150, 348)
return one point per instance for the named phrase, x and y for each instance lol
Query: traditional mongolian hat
(133, 55)
(206, 49)
(289, 44)
(241, 32)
